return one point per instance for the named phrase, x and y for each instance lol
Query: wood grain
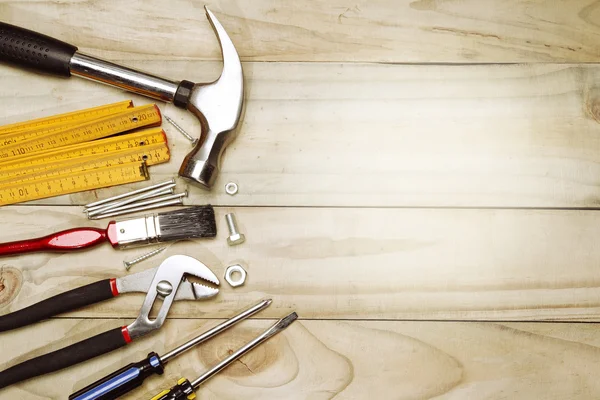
(440, 264)
(416, 31)
(417, 217)
(340, 359)
(378, 135)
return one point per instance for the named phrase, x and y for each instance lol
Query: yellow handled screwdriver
(133, 375)
(184, 390)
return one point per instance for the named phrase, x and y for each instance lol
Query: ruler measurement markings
(138, 117)
(72, 183)
(128, 141)
(67, 118)
(152, 155)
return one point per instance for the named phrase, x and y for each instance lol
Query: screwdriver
(133, 375)
(184, 390)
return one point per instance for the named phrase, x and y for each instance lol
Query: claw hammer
(218, 105)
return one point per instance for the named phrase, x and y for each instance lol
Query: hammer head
(218, 106)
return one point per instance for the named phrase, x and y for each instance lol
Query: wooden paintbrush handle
(71, 239)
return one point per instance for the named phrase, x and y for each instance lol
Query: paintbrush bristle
(187, 223)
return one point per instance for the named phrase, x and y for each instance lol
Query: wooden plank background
(419, 180)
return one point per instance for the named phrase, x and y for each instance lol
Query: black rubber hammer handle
(33, 50)
(218, 105)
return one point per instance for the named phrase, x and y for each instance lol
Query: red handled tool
(166, 282)
(71, 239)
(133, 375)
(192, 222)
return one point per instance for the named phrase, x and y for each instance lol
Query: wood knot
(253, 363)
(592, 104)
(11, 281)
(594, 110)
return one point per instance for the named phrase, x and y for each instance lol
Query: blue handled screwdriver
(185, 390)
(133, 375)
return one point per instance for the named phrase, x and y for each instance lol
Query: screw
(234, 236)
(183, 132)
(141, 258)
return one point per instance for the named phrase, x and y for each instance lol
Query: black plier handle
(66, 357)
(67, 301)
(71, 355)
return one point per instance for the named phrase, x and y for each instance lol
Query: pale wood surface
(346, 360)
(441, 264)
(336, 30)
(379, 135)
(435, 226)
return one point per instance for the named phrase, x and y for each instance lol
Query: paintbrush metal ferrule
(188, 223)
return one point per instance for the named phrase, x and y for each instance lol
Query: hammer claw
(218, 105)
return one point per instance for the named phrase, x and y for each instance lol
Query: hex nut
(237, 238)
(229, 275)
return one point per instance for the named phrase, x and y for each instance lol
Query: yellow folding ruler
(22, 142)
(73, 182)
(93, 165)
(71, 118)
(148, 145)
(152, 154)
(77, 151)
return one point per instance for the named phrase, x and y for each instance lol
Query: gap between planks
(477, 321)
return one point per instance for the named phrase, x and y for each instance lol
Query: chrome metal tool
(166, 283)
(133, 375)
(185, 389)
(218, 105)
(104, 202)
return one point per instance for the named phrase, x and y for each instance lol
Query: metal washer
(231, 188)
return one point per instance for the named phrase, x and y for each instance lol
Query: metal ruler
(71, 118)
(21, 143)
(73, 182)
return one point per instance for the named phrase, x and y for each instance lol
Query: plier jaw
(168, 282)
(140, 282)
(169, 278)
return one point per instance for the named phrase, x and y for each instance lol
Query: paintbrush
(187, 223)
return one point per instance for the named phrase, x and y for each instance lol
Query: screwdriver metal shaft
(216, 330)
(184, 389)
(272, 331)
(133, 375)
